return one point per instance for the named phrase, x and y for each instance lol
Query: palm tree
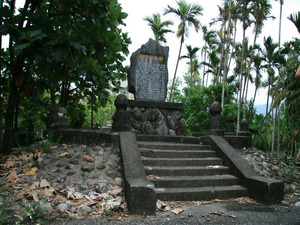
(280, 21)
(258, 82)
(277, 111)
(158, 27)
(271, 55)
(295, 18)
(245, 9)
(209, 37)
(191, 55)
(213, 65)
(260, 12)
(188, 17)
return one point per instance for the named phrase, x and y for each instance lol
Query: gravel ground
(82, 185)
(229, 212)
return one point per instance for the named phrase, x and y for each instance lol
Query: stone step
(173, 139)
(200, 194)
(178, 153)
(181, 162)
(171, 146)
(193, 181)
(186, 171)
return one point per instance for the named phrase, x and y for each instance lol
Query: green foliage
(197, 101)
(33, 114)
(291, 172)
(3, 213)
(62, 49)
(158, 27)
(260, 138)
(32, 214)
(76, 114)
(103, 114)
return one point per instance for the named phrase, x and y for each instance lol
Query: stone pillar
(58, 116)
(229, 125)
(121, 117)
(244, 128)
(215, 126)
(196, 131)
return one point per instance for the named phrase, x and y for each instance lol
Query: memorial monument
(148, 72)
(147, 80)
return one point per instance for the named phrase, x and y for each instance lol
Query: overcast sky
(140, 32)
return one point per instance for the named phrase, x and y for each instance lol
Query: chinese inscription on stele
(148, 74)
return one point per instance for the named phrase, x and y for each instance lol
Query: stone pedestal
(230, 125)
(196, 131)
(121, 116)
(149, 117)
(58, 117)
(244, 129)
(215, 126)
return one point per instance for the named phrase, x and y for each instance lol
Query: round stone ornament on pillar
(229, 124)
(121, 117)
(215, 126)
(244, 128)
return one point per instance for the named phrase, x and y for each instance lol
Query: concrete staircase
(187, 171)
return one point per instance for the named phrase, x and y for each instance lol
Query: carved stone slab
(148, 72)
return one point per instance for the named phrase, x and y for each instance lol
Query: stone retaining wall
(148, 117)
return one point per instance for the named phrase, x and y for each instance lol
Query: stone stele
(148, 72)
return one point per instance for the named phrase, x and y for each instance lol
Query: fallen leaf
(78, 196)
(161, 206)
(38, 154)
(89, 158)
(48, 192)
(64, 154)
(12, 177)
(30, 171)
(44, 183)
(35, 185)
(20, 195)
(153, 177)
(177, 211)
(34, 195)
(9, 164)
(115, 191)
(53, 147)
(22, 157)
(13, 158)
(61, 199)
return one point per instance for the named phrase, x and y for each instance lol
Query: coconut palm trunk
(178, 59)
(226, 69)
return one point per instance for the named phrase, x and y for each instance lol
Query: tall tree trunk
(241, 81)
(191, 71)
(1, 94)
(254, 97)
(64, 93)
(248, 72)
(172, 87)
(17, 111)
(233, 44)
(92, 110)
(9, 118)
(268, 95)
(274, 132)
(204, 68)
(226, 69)
(278, 107)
